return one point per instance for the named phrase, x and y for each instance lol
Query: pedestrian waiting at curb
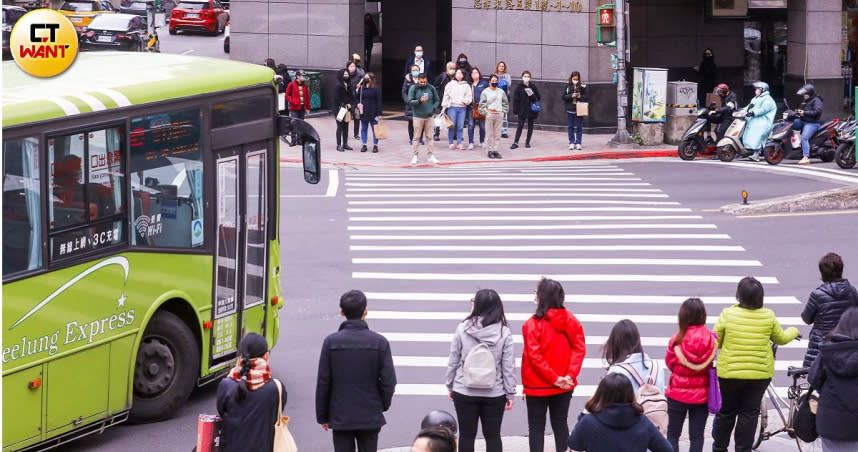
(369, 105)
(457, 96)
(356, 75)
(344, 98)
(746, 364)
(615, 422)
(481, 372)
(494, 105)
(440, 85)
(409, 81)
(434, 439)
(247, 399)
(625, 355)
(424, 100)
(473, 116)
(827, 303)
(504, 83)
(423, 63)
(576, 91)
(526, 105)
(298, 96)
(835, 375)
(690, 354)
(463, 64)
(554, 350)
(356, 380)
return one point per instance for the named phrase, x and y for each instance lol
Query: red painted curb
(607, 155)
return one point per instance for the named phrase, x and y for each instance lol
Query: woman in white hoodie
(481, 372)
(457, 96)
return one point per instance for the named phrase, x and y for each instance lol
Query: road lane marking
(555, 261)
(800, 214)
(507, 178)
(588, 363)
(702, 248)
(516, 209)
(499, 190)
(840, 177)
(522, 317)
(187, 51)
(542, 237)
(494, 185)
(539, 227)
(527, 202)
(527, 218)
(646, 341)
(505, 195)
(331, 192)
(570, 298)
(582, 277)
(440, 390)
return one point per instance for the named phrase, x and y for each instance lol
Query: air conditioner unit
(728, 8)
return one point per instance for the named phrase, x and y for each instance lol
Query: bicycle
(786, 410)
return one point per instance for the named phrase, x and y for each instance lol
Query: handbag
(714, 393)
(283, 440)
(476, 113)
(439, 121)
(582, 109)
(447, 121)
(341, 115)
(536, 106)
(804, 423)
(208, 432)
(380, 131)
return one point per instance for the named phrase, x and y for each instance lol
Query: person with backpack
(835, 375)
(745, 364)
(625, 355)
(827, 303)
(615, 422)
(247, 399)
(554, 349)
(690, 353)
(481, 372)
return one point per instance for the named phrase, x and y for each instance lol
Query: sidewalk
(395, 151)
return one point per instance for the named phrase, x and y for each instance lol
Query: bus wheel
(166, 369)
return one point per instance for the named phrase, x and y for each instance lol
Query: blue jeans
(457, 115)
(472, 124)
(363, 133)
(576, 127)
(807, 131)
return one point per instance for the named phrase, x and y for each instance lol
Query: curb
(842, 198)
(605, 155)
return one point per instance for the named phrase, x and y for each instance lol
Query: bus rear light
(35, 384)
(275, 300)
(207, 325)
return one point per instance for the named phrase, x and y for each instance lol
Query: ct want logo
(44, 43)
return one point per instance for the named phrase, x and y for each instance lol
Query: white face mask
(418, 53)
(525, 79)
(574, 82)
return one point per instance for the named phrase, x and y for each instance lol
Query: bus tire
(166, 369)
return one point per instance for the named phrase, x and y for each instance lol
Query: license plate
(192, 16)
(105, 39)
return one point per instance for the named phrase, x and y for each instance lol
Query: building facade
(783, 42)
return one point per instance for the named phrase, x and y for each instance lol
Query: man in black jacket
(724, 115)
(356, 380)
(809, 113)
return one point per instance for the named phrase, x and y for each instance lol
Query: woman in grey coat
(481, 372)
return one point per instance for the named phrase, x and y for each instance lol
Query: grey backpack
(480, 370)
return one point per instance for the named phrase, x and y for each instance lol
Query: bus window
(241, 110)
(22, 224)
(167, 180)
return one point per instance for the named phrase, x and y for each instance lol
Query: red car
(199, 15)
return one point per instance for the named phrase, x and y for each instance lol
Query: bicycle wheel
(764, 420)
(771, 424)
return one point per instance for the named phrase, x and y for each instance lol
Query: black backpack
(804, 423)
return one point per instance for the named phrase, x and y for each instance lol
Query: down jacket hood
(558, 319)
(618, 416)
(489, 335)
(697, 348)
(842, 354)
(838, 289)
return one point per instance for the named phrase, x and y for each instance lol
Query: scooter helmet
(762, 86)
(722, 89)
(808, 89)
(440, 418)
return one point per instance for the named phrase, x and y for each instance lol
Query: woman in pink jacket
(689, 358)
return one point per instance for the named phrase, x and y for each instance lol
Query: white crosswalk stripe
(423, 242)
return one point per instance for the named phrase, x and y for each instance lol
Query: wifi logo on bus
(148, 226)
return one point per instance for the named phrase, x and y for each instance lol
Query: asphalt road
(419, 287)
(191, 43)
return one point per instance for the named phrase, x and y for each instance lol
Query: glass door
(225, 319)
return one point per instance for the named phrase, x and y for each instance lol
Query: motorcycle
(844, 155)
(783, 143)
(698, 138)
(731, 146)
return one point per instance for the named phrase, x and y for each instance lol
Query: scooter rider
(760, 117)
(723, 116)
(807, 122)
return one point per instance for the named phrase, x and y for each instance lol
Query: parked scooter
(784, 144)
(844, 155)
(698, 139)
(731, 146)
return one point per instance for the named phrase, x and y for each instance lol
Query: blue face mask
(415, 73)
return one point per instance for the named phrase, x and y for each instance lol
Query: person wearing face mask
(410, 80)
(356, 75)
(298, 96)
(504, 82)
(440, 84)
(370, 106)
(463, 64)
(422, 63)
(423, 99)
(493, 105)
(575, 92)
(522, 105)
(473, 115)
(345, 98)
(457, 97)
(708, 71)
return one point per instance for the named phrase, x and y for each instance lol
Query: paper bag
(380, 131)
(712, 98)
(582, 109)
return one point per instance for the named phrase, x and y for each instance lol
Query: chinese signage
(223, 337)
(73, 243)
(574, 6)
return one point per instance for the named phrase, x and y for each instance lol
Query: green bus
(140, 235)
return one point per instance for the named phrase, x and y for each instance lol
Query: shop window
(22, 223)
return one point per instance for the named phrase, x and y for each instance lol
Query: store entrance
(766, 52)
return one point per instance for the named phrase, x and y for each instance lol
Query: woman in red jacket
(553, 352)
(689, 357)
(298, 96)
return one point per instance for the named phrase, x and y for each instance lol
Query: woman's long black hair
(623, 341)
(488, 308)
(549, 295)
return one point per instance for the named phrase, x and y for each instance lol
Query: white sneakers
(578, 146)
(432, 159)
(571, 146)
(414, 160)
(804, 161)
(471, 146)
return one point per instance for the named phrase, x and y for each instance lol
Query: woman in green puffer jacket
(745, 364)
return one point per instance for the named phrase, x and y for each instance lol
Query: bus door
(241, 249)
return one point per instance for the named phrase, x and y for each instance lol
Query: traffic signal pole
(622, 135)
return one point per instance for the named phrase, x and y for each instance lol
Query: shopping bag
(714, 400)
(208, 433)
(712, 98)
(283, 440)
(380, 131)
(447, 121)
(582, 108)
(441, 121)
(341, 115)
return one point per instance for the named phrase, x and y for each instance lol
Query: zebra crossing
(422, 243)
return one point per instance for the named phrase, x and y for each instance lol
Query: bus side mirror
(294, 132)
(312, 161)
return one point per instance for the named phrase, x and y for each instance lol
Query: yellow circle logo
(44, 43)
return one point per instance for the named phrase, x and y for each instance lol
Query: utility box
(649, 94)
(681, 98)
